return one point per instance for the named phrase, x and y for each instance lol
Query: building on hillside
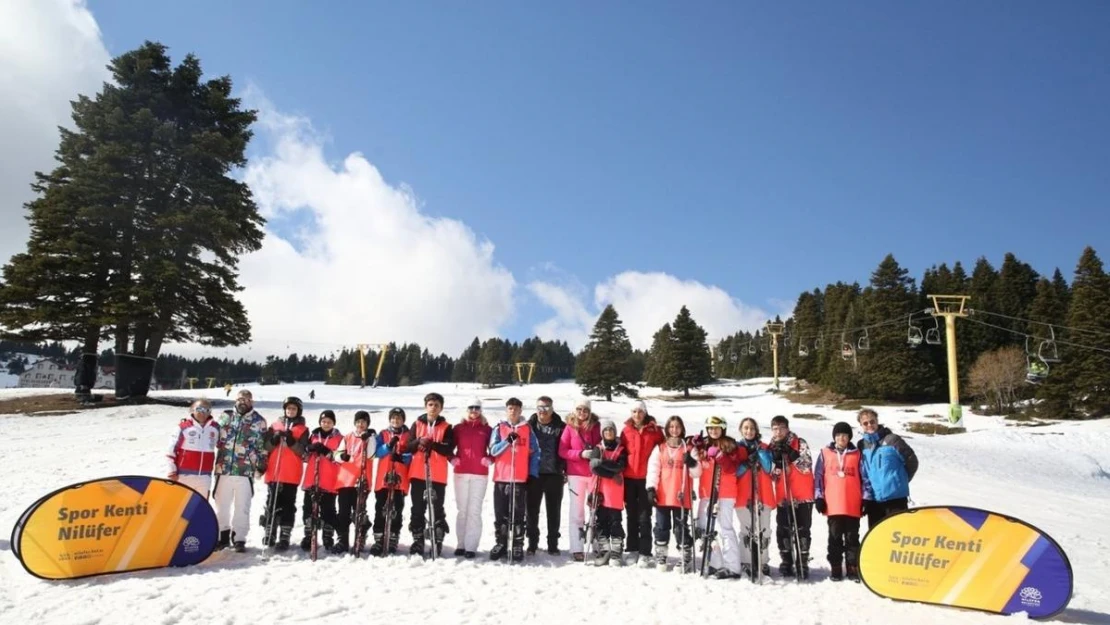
(48, 373)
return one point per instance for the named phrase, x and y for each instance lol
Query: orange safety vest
(435, 433)
(766, 489)
(671, 469)
(387, 464)
(503, 468)
(348, 471)
(612, 492)
(292, 467)
(843, 483)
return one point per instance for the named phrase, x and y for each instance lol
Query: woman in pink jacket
(471, 465)
(582, 434)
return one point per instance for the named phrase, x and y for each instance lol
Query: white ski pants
(578, 487)
(470, 492)
(233, 504)
(727, 545)
(763, 516)
(200, 483)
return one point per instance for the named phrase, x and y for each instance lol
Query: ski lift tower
(950, 307)
(362, 347)
(775, 329)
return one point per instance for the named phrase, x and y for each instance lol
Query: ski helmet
(296, 401)
(716, 422)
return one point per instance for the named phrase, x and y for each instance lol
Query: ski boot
(616, 548)
(746, 571)
(460, 552)
(329, 538)
(518, 544)
(240, 546)
(341, 545)
(378, 548)
(786, 566)
(553, 546)
(661, 552)
(578, 556)
(440, 532)
(804, 564)
(852, 561)
(687, 559)
(283, 539)
(469, 555)
(766, 570)
(501, 535)
(417, 548)
(394, 540)
(836, 571)
(225, 540)
(533, 545)
(306, 542)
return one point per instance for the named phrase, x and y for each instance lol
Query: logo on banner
(1031, 597)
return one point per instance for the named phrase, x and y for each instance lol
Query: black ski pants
(418, 515)
(639, 516)
(379, 511)
(503, 501)
(327, 508)
(843, 540)
(609, 525)
(286, 507)
(547, 486)
(348, 510)
(668, 517)
(879, 510)
(784, 527)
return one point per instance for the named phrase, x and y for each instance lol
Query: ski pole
(512, 497)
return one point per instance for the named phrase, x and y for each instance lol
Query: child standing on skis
(755, 500)
(319, 482)
(516, 456)
(432, 443)
(356, 471)
(607, 464)
(842, 489)
(391, 482)
(671, 472)
(287, 439)
(794, 492)
(718, 449)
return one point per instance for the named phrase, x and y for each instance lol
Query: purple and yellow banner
(966, 558)
(113, 525)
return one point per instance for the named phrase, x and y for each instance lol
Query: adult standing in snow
(287, 439)
(548, 428)
(891, 465)
(641, 435)
(193, 452)
(515, 454)
(240, 453)
(581, 435)
(793, 475)
(432, 444)
(471, 464)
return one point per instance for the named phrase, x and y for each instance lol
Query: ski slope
(1054, 476)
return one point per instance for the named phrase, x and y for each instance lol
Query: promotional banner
(114, 525)
(966, 558)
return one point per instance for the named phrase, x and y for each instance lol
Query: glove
(367, 434)
(423, 442)
(594, 500)
(512, 437)
(345, 457)
(393, 442)
(275, 440)
(651, 496)
(455, 461)
(690, 460)
(486, 461)
(595, 462)
(398, 457)
(821, 507)
(289, 438)
(713, 452)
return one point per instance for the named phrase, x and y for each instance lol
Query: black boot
(836, 571)
(851, 559)
(786, 566)
(501, 535)
(440, 532)
(378, 548)
(533, 545)
(329, 538)
(804, 564)
(518, 543)
(553, 546)
(417, 548)
(283, 539)
(394, 540)
(240, 546)
(341, 545)
(225, 540)
(306, 542)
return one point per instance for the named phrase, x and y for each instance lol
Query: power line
(1023, 334)
(1050, 325)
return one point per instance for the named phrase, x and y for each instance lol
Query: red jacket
(639, 444)
(471, 445)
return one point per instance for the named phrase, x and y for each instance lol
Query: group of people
(609, 474)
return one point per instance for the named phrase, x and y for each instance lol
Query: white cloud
(50, 52)
(645, 301)
(375, 268)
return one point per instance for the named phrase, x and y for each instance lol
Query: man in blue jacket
(891, 464)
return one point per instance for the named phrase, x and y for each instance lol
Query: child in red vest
(356, 471)
(391, 482)
(516, 455)
(671, 471)
(320, 481)
(793, 475)
(607, 465)
(432, 444)
(286, 441)
(842, 487)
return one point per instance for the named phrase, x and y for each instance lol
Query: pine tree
(692, 364)
(600, 369)
(1087, 368)
(659, 369)
(465, 369)
(802, 354)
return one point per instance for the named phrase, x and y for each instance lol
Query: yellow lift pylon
(362, 347)
(531, 370)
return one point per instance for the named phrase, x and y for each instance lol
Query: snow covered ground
(1056, 477)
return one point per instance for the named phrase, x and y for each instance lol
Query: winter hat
(639, 405)
(397, 411)
(327, 414)
(607, 424)
(475, 401)
(582, 403)
(362, 415)
(842, 428)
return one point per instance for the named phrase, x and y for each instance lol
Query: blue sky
(762, 148)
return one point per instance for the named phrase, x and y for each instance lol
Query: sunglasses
(869, 423)
(581, 409)
(473, 408)
(543, 408)
(201, 409)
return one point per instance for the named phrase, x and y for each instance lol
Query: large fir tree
(690, 363)
(1086, 364)
(601, 367)
(659, 369)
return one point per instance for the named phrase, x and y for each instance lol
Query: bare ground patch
(65, 403)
